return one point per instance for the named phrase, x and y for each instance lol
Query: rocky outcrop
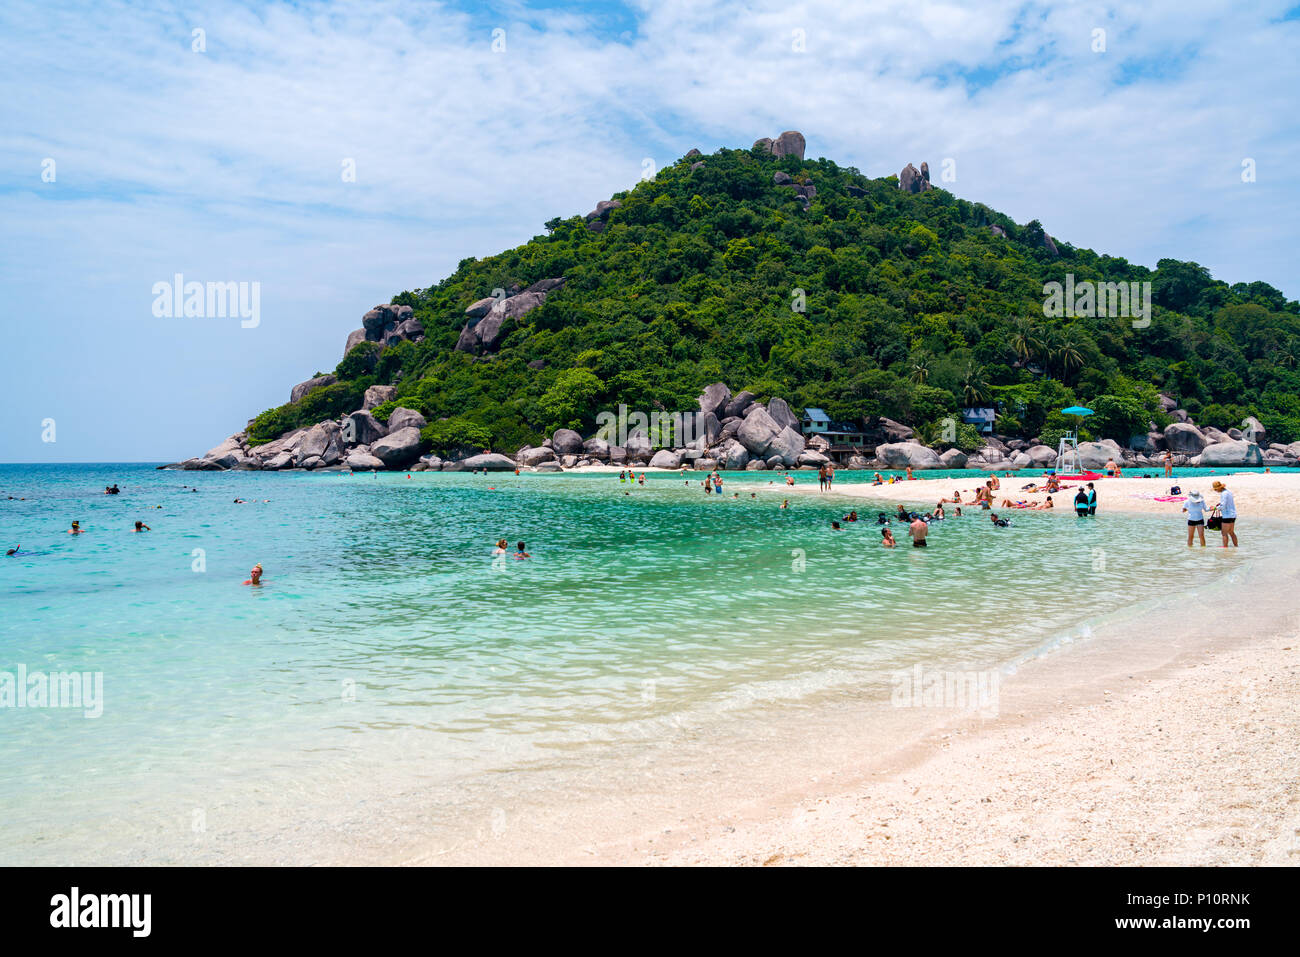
(737, 406)
(490, 461)
(302, 388)
(566, 442)
(666, 459)
(378, 395)
(1231, 453)
(485, 333)
(401, 418)
(781, 414)
(398, 449)
(1184, 437)
(913, 180)
(897, 455)
(362, 428)
(534, 456)
(953, 459)
(789, 143)
(714, 399)
(365, 461)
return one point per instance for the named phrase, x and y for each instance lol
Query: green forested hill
(912, 307)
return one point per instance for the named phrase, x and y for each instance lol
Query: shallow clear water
(387, 650)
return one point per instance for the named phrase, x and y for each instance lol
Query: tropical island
(787, 312)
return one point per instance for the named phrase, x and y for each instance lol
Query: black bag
(1215, 521)
(1175, 491)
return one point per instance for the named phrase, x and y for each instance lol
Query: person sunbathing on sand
(1044, 506)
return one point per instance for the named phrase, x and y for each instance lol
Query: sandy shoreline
(1169, 738)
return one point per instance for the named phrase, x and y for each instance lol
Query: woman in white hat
(1195, 509)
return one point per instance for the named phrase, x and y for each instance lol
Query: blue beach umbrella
(1077, 410)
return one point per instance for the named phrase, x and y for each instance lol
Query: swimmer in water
(13, 551)
(142, 527)
(785, 504)
(76, 529)
(255, 575)
(835, 525)
(502, 545)
(522, 553)
(887, 538)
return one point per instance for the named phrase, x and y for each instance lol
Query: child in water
(522, 553)
(886, 538)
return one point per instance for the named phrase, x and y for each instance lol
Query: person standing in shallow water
(1227, 514)
(1092, 499)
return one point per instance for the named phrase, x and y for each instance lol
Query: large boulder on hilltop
(362, 428)
(535, 457)
(378, 395)
(355, 338)
(479, 309)
(782, 178)
(737, 406)
(1185, 438)
(714, 398)
(546, 285)
(757, 431)
(485, 333)
(665, 459)
(781, 414)
(566, 442)
(603, 209)
(910, 179)
(765, 143)
(302, 388)
(1167, 403)
(402, 418)
(1231, 453)
(398, 449)
(953, 459)
(383, 319)
(897, 455)
(789, 143)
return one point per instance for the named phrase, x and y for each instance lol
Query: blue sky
(225, 164)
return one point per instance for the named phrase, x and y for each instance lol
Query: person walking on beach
(1195, 509)
(830, 475)
(821, 479)
(1227, 514)
(918, 530)
(1169, 464)
(1092, 499)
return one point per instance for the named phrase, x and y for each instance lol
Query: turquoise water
(388, 651)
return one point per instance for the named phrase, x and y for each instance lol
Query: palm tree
(974, 389)
(1050, 347)
(1025, 340)
(1069, 353)
(921, 367)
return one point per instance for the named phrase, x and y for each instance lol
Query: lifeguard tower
(1067, 451)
